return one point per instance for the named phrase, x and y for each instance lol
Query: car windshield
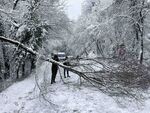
(61, 55)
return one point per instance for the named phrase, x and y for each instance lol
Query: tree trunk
(2, 62)
(142, 33)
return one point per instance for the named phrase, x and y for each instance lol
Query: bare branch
(15, 4)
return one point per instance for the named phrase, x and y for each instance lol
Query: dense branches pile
(122, 78)
(132, 74)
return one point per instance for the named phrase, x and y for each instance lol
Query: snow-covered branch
(18, 44)
(42, 57)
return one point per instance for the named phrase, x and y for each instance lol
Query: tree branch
(15, 4)
(19, 45)
(41, 56)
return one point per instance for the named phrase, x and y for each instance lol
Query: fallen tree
(18, 44)
(109, 79)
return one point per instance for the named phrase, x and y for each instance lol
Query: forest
(105, 53)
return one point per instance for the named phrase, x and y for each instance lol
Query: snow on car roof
(61, 52)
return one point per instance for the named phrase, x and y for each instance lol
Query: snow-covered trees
(35, 23)
(122, 22)
(92, 29)
(116, 32)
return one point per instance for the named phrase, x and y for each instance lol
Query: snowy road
(23, 97)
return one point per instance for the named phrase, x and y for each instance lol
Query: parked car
(61, 55)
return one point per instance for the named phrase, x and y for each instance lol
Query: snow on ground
(23, 97)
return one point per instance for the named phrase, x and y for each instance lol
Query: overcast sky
(74, 8)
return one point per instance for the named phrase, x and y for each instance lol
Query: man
(54, 69)
(66, 70)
